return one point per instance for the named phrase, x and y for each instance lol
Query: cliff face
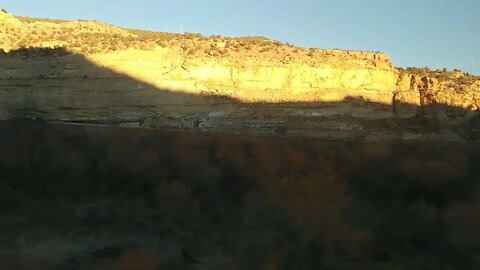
(90, 71)
(52, 80)
(333, 77)
(444, 97)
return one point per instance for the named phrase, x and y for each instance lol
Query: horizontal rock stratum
(92, 72)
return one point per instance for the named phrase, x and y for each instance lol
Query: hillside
(247, 84)
(125, 149)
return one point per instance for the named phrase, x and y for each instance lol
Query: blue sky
(435, 33)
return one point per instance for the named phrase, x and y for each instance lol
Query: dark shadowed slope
(83, 197)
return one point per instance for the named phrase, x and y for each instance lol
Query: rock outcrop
(87, 71)
(434, 94)
(328, 77)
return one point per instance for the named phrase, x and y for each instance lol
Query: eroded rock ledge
(222, 84)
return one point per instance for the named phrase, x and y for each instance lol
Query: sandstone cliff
(440, 94)
(95, 71)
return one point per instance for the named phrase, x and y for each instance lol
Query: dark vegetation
(91, 42)
(31, 20)
(181, 200)
(37, 52)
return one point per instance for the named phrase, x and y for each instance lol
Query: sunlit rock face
(131, 77)
(261, 79)
(441, 96)
(263, 73)
(88, 71)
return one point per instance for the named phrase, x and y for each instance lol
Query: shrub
(265, 49)
(278, 43)
(311, 52)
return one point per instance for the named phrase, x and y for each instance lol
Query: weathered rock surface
(445, 98)
(258, 88)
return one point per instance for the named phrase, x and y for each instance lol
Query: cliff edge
(92, 72)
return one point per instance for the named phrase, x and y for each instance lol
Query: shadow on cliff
(82, 95)
(86, 197)
(80, 91)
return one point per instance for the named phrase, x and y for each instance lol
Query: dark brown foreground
(79, 197)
